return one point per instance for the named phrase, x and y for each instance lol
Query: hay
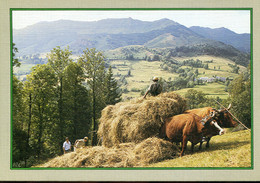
(149, 151)
(128, 131)
(138, 119)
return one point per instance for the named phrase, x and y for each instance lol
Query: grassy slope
(143, 71)
(230, 150)
(211, 90)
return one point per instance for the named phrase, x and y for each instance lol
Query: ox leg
(200, 145)
(207, 145)
(184, 144)
(192, 147)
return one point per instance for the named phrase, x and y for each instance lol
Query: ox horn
(229, 106)
(222, 110)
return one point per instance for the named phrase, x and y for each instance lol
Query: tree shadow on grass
(217, 146)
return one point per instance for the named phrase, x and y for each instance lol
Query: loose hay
(138, 119)
(128, 131)
(149, 151)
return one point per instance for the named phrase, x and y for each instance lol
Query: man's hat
(155, 78)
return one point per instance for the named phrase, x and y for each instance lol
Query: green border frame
(131, 9)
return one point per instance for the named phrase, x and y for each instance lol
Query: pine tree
(112, 92)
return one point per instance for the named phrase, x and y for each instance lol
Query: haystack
(138, 119)
(149, 151)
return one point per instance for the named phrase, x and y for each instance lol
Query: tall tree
(18, 123)
(41, 93)
(59, 59)
(93, 63)
(112, 91)
(76, 102)
(18, 120)
(240, 95)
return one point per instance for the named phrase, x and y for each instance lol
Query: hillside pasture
(224, 71)
(142, 72)
(210, 89)
(232, 149)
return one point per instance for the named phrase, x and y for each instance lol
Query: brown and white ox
(189, 127)
(222, 117)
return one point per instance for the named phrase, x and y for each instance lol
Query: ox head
(224, 118)
(211, 126)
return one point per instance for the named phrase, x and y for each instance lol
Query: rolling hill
(107, 34)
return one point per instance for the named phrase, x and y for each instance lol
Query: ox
(222, 117)
(189, 127)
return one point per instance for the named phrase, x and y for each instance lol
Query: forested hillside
(239, 41)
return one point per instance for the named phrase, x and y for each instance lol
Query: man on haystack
(155, 88)
(80, 143)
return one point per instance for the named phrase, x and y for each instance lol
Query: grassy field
(211, 90)
(143, 71)
(229, 150)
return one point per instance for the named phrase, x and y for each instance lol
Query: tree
(240, 95)
(18, 124)
(94, 67)
(59, 59)
(195, 98)
(206, 66)
(112, 92)
(76, 102)
(15, 61)
(128, 73)
(40, 89)
(18, 120)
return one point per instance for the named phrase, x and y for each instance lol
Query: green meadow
(143, 71)
(232, 149)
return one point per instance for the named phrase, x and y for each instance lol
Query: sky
(235, 20)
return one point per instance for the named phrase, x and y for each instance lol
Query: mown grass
(210, 89)
(230, 150)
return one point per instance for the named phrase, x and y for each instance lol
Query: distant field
(229, 150)
(211, 90)
(143, 71)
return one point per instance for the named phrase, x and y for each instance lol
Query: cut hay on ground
(149, 151)
(138, 119)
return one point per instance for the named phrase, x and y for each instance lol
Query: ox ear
(213, 114)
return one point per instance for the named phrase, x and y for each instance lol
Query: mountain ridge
(106, 34)
(239, 41)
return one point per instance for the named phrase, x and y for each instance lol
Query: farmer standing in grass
(155, 88)
(66, 146)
